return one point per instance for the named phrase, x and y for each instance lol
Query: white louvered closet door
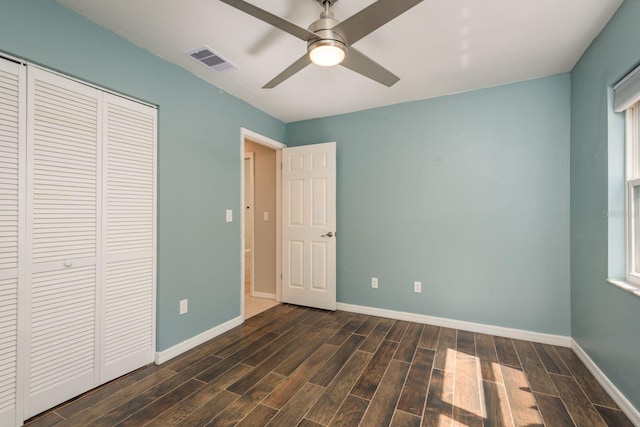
(12, 138)
(128, 295)
(63, 221)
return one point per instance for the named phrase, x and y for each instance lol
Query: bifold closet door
(128, 262)
(63, 223)
(12, 94)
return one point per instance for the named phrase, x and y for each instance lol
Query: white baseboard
(264, 295)
(617, 396)
(186, 345)
(500, 331)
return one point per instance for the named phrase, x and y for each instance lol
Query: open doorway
(248, 223)
(305, 224)
(261, 226)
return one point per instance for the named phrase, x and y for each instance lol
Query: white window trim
(633, 273)
(631, 283)
(632, 174)
(627, 99)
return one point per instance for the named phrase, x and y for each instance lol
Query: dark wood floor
(294, 366)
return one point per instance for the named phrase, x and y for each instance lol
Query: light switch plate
(374, 282)
(229, 215)
(184, 306)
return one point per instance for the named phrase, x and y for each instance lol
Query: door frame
(246, 134)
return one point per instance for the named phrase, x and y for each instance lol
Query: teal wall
(198, 155)
(605, 320)
(467, 193)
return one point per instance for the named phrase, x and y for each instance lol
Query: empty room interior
(319, 213)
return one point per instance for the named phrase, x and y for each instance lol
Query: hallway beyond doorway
(253, 305)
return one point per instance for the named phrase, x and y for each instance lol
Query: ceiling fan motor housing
(323, 28)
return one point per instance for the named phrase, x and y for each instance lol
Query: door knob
(329, 234)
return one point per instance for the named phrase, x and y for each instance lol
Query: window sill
(626, 286)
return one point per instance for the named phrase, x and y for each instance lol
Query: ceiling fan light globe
(327, 55)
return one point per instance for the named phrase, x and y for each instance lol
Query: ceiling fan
(329, 41)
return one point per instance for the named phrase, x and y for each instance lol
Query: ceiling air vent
(210, 59)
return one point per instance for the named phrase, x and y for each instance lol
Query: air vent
(210, 59)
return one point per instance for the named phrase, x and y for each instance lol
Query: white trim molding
(260, 139)
(264, 295)
(625, 405)
(500, 331)
(186, 345)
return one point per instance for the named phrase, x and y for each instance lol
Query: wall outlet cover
(184, 306)
(417, 287)
(374, 282)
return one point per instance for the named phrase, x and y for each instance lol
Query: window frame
(632, 209)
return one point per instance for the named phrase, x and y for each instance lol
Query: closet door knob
(67, 263)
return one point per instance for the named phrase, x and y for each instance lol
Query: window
(633, 192)
(627, 99)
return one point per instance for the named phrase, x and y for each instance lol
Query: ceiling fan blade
(290, 71)
(360, 63)
(270, 18)
(294, 9)
(371, 18)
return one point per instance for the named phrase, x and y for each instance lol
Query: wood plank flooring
(296, 366)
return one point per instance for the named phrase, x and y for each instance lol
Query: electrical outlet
(229, 215)
(184, 306)
(417, 287)
(374, 282)
(265, 216)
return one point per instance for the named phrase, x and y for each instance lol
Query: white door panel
(12, 139)
(309, 225)
(62, 351)
(128, 262)
(63, 205)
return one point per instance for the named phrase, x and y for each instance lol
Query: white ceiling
(439, 47)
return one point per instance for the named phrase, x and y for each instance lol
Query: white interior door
(129, 237)
(77, 238)
(309, 225)
(12, 151)
(63, 205)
